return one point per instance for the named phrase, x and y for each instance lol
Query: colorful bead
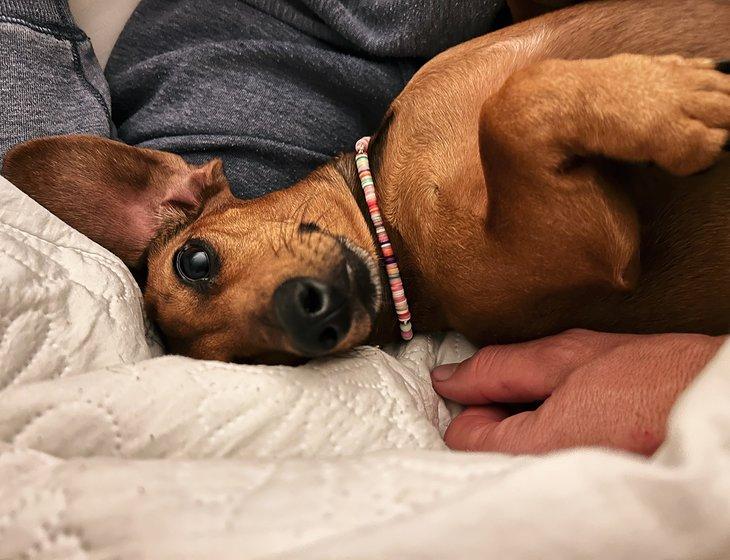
(391, 264)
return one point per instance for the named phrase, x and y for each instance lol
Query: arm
(593, 389)
(50, 81)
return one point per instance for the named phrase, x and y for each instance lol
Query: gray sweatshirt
(273, 87)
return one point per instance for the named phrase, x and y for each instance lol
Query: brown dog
(531, 180)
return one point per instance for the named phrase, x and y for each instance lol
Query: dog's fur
(531, 180)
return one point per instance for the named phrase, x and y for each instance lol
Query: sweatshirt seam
(91, 88)
(58, 31)
(73, 36)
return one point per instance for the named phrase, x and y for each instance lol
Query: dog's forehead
(220, 222)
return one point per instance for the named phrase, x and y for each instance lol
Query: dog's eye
(195, 262)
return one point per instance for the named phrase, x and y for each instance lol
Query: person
(577, 388)
(275, 88)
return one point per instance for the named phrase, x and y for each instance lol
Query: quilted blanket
(110, 450)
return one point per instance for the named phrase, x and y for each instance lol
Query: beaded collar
(391, 264)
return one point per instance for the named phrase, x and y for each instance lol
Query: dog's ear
(117, 195)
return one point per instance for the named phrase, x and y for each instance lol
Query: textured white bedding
(108, 450)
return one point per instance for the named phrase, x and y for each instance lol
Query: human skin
(593, 389)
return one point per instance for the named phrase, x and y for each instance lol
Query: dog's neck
(386, 324)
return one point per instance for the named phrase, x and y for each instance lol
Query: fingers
(475, 428)
(618, 397)
(496, 374)
(489, 428)
(516, 373)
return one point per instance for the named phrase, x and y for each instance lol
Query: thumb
(516, 373)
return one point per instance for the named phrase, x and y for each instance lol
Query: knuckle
(644, 440)
(497, 436)
(518, 434)
(488, 373)
(483, 439)
(564, 348)
(486, 359)
(467, 434)
(578, 334)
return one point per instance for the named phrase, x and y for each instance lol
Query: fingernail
(442, 373)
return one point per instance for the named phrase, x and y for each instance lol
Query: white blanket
(108, 450)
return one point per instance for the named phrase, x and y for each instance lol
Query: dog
(566, 171)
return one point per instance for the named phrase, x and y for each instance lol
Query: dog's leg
(670, 111)
(545, 137)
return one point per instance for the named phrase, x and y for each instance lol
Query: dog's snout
(315, 315)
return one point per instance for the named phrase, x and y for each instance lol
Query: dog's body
(513, 177)
(684, 222)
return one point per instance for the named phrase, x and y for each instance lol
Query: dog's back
(685, 230)
(685, 238)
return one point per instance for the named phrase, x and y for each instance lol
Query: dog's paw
(690, 114)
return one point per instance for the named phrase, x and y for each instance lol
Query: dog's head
(288, 275)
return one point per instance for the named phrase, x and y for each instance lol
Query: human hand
(612, 390)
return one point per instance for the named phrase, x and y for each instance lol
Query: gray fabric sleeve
(274, 87)
(50, 81)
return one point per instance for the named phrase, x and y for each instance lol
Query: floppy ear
(117, 195)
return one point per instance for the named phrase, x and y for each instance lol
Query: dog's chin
(364, 277)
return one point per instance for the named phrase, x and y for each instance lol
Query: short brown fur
(532, 180)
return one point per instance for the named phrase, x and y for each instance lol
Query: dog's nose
(315, 315)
